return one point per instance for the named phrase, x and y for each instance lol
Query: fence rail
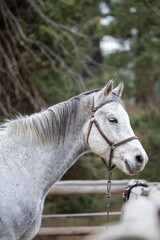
(68, 231)
(81, 215)
(87, 187)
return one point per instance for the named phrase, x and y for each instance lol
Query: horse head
(109, 127)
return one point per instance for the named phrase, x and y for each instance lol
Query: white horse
(36, 150)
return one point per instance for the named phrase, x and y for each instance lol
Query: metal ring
(113, 147)
(92, 119)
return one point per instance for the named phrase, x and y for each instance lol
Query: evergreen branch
(157, 15)
(51, 22)
(48, 52)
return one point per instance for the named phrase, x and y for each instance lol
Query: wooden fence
(81, 187)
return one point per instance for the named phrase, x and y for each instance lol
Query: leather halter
(111, 144)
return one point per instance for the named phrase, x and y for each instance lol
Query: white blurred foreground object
(140, 217)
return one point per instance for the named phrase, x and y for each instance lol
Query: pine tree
(45, 46)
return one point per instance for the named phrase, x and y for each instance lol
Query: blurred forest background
(52, 50)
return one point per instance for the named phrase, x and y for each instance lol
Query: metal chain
(108, 195)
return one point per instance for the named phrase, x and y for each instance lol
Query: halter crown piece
(113, 146)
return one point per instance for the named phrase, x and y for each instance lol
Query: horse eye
(113, 120)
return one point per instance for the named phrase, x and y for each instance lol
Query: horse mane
(45, 126)
(118, 99)
(114, 96)
(50, 124)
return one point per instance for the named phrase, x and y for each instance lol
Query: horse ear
(108, 88)
(118, 90)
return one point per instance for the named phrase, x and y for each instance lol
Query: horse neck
(43, 163)
(59, 157)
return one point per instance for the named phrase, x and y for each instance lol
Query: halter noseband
(112, 144)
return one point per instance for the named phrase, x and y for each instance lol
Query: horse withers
(36, 150)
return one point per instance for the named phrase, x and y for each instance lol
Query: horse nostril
(139, 160)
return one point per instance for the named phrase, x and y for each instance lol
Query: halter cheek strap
(111, 144)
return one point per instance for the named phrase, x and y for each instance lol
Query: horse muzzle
(136, 165)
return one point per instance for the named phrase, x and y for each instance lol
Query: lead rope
(108, 196)
(110, 167)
